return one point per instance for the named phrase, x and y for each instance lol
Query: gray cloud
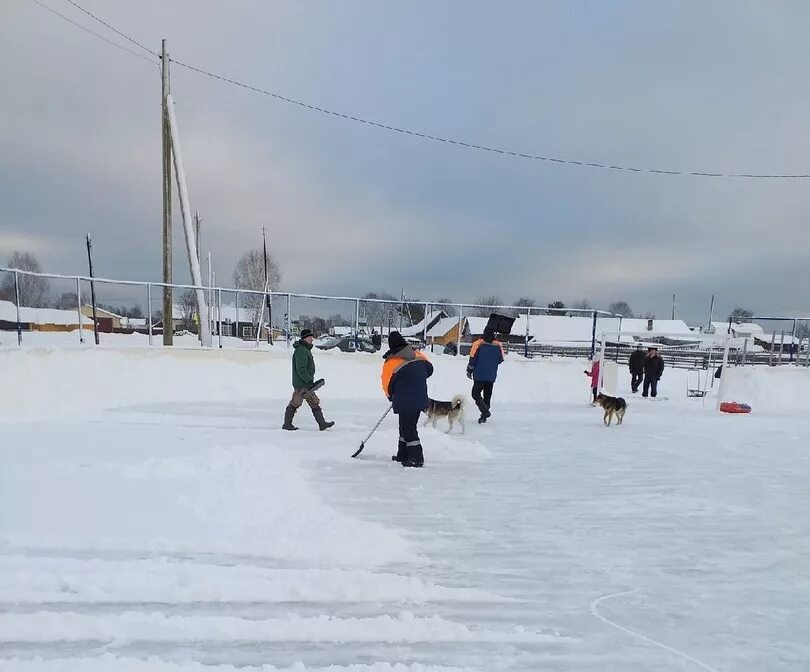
(353, 209)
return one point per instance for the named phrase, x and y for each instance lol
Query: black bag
(500, 324)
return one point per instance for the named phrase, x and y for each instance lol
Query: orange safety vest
(394, 364)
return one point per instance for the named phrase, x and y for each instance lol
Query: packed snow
(154, 517)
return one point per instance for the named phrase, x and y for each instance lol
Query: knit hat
(396, 341)
(306, 333)
(489, 334)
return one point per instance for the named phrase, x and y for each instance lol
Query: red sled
(734, 407)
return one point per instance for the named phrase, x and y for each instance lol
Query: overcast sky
(681, 85)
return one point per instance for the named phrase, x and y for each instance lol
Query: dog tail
(458, 401)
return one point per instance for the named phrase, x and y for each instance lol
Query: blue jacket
(484, 360)
(404, 380)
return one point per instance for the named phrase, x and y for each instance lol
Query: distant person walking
(486, 355)
(653, 369)
(636, 365)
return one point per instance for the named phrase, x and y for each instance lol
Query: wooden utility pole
(267, 296)
(168, 304)
(92, 288)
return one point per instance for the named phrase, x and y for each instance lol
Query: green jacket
(303, 365)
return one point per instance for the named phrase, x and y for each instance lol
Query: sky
(350, 209)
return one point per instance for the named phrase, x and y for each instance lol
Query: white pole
(219, 316)
(79, 305)
(149, 309)
(526, 346)
(781, 346)
(425, 325)
(185, 209)
(723, 374)
(601, 362)
(357, 324)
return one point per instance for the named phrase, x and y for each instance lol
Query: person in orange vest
(486, 355)
(404, 381)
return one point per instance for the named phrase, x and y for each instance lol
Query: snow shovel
(374, 429)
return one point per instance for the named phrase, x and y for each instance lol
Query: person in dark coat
(636, 365)
(404, 381)
(653, 369)
(303, 378)
(486, 355)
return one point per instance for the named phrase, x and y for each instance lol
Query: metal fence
(44, 302)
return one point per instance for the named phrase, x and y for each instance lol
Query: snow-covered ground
(153, 516)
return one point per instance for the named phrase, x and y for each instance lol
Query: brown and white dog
(612, 406)
(452, 410)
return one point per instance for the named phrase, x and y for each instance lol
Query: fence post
(79, 306)
(237, 313)
(745, 350)
(526, 341)
(357, 324)
(792, 340)
(17, 301)
(781, 346)
(593, 334)
(219, 315)
(149, 310)
(770, 352)
(289, 319)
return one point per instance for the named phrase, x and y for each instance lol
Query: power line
(115, 30)
(93, 33)
(449, 141)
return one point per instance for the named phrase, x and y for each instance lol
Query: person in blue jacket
(486, 356)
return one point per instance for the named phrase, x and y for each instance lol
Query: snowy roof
(442, 327)
(8, 313)
(418, 328)
(558, 329)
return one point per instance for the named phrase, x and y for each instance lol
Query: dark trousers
(651, 385)
(595, 392)
(480, 388)
(409, 448)
(635, 380)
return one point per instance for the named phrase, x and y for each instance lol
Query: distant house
(419, 329)
(40, 319)
(108, 322)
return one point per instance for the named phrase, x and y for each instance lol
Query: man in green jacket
(303, 377)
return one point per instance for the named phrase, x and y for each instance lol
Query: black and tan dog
(612, 406)
(452, 410)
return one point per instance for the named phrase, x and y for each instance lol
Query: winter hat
(489, 334)
(306, 333)
(396, 341)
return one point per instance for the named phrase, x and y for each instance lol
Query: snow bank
(108, 661)
(773, 390)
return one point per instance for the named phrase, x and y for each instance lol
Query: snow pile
(775, 390)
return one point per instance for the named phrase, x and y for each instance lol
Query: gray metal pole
(526, 337)
(425, 325)
(744, 351)
(793, 342)
(17, 301)
(168, 330)
(79, 306)
(357, 324)
(711, 313)
(593, 334)
(237, 313)
(781, 346)
(458, 339)
(773, 347)
(219, 316)
(289, 319)
(149, 310)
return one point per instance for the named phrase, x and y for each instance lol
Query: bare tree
(379, 314)
(621, 308)
(187, 302)
(740, 314)
(67, 301)
(34, 291)
(558, 305)
(485, 301)
(446, 304)
(249, 274)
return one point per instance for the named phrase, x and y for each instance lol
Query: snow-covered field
(154, 516)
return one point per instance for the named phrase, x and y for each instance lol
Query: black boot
(415, 456)
(401, 451)
(322, 424)
(289, 413)
(482, 407)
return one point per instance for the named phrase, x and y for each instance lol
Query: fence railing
(241, 312)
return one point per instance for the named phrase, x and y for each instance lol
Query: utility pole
(92, 288)
(197, 222)
(168, 304)
(673, 305)
(267, 297)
